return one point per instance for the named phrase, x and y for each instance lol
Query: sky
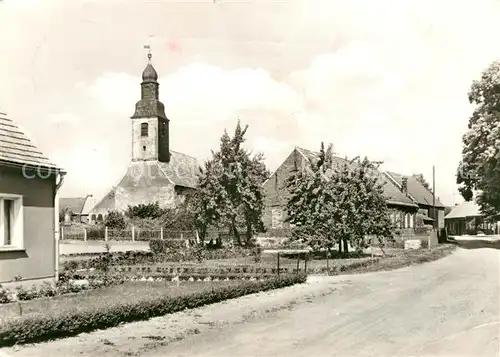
(383, 79)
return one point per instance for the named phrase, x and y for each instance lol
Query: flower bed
(165, 270)
(89, 312)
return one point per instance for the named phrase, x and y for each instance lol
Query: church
(155, 172)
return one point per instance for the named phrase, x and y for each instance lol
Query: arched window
(99, 217)
(144, 129)
(92, 218)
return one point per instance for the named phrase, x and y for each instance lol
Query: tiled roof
(392, 193)
(465, 209)
(16, 147)
(416, 190)
(73, 204)
(182, 169)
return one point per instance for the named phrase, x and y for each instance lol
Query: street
(445, 308)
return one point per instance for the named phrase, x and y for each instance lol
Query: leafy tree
(115, 220)
(420, 178)
(148, 210)
(479, 169)
(337, 203)
(230, 192)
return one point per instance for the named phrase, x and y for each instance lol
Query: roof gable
(73, 204)
(415, 189)
(392, 194)
(464, 209)
(16, 147)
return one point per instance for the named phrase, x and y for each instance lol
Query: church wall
(145, 147)
(164, 194)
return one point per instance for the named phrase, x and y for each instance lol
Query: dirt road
(445, 308)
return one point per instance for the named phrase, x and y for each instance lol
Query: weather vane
(148, 47)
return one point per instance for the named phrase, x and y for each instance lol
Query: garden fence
(133, 234)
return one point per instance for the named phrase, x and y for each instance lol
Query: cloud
(68, 118)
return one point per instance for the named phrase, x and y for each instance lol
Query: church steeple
(150, 134)
(149, 105)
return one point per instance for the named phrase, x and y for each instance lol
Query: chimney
(404, 185)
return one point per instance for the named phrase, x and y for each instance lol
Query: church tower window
(144, 129)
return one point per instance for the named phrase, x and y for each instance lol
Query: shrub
(149, 210)
(96, 233)
(37, 328)
(115, 220)
(4, 295)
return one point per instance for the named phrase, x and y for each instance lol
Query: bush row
(173, 255)
(69, 323)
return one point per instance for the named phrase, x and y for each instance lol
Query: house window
(144, 129)
(11, 221)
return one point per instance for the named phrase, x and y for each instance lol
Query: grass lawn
(401, 258)
(103, 297)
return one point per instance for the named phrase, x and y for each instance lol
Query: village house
(403, 208)
(155, 173)
(466, 219)
(76, 209)
(29, 220)
(420, 195)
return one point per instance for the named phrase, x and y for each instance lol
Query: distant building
(29, 221)
(403, 208)
(466, 219)
(155, 173)
(76, 209)
(420, 195)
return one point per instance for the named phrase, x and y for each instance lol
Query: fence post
(106, 233)
(161, 233)
(278, 263)
(305, 263)
(298, 262)
(85, 234)
(62, 232)
(133, 234)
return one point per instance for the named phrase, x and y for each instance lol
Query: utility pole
(434, 197)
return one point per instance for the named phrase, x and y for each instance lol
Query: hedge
(143, 257)
(45, 327)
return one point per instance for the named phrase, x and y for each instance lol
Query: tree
(230, 192)
(479, 169)
(115, 220)
(148, 210)
(337, 203)
(420, 178)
